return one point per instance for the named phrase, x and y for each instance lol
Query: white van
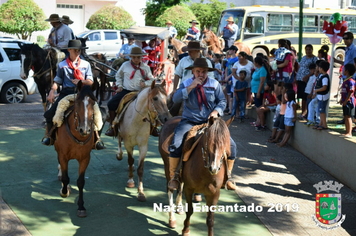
(106, 41)
(13, 89)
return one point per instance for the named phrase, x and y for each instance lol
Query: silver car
(107, 41)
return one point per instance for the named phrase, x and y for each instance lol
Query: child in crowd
(313, 111)
(218, 72)
(321, 91)
(240, 95)
(289, 116)
(269, 103)
(310, 84)
(278, 125)
(348, 98)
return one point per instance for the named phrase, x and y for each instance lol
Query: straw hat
(54, 18)
(231, 19)
(66, 20)
(194, 21)
(201, 63)
(75, 44)
(192, 45)
(169, 22)
(136, 51)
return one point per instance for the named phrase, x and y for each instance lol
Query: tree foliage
(155, 8)
(22, 18)
(180, 15)
(208, 14)
(110, 17)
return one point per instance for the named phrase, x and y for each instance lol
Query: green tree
(22, 18)
(110, 17)
(155, 8)
(180, 15)
(208, 14)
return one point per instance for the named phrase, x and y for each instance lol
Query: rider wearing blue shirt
(193, 32)
(203, 97)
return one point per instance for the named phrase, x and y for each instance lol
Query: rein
(38, 74)
(149, 119)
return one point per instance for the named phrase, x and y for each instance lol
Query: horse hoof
(186, 233)
(130, 184)
(82, 213)
(141, 197)
(119, 156)
(197, 198)
(65, 195)
(172, 224)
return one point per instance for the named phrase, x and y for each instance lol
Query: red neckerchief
(195, 29)
(201, 95)
(137, 68)
(76, 72)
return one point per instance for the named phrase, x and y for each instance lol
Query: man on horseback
(123, 54)
(67, 21)
(193, 32)
(69, 73)
(229, 33)
(203, 98)
(60, 34)
(172, 30)
(132, 76)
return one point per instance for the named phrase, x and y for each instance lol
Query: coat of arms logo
(328, 205)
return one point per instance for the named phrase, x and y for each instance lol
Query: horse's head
(26, 58)
(157, 99)
(84, 109)
(84, 43)
(216, 144)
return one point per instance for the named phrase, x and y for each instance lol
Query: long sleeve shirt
(65, 74)
(126, 49)
(123, 76)
(60, 36)
(214, 95)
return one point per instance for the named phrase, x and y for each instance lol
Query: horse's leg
(83, 164)
(211, 200)
(120, 154)
(172, 219)
(59, 172)
(189, 198)
(130, 160)
(64, 192)
(143, 151)
(179, 198)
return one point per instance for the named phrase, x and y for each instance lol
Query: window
(255, 25)
(351, 23)
(322, 18)
(73, 6)
(1, 58)
(279, 22)
(110, 35)
(94, 36)
(13, 54)
(310, 23)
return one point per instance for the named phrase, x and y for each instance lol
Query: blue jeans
(180, 133)
(241, 104)
(313, 111)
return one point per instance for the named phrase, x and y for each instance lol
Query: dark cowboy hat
(75, 44)
(54, 18)
(66, 20)
(192, 45)
(130, 36)
(201, 63)
(136, 51)
(194, 21)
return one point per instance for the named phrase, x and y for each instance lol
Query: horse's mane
(86, 91)
(218, 136)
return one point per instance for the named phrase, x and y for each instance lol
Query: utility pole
(301, 5)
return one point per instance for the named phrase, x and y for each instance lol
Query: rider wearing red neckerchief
(203, 98)
(193, 32)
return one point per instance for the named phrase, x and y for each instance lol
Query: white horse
(147, 110)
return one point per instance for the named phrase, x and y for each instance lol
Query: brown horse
(74, 140)
(217, 44)
(205, 170)
(176, 50)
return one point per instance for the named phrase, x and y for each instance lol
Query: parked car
(13, 89)
(107, 41)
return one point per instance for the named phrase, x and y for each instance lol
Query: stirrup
(176, 179)
(99, 141)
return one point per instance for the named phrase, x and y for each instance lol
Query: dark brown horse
(176, 50)
(205, 170)
(74, 140)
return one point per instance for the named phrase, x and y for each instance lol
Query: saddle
(191, 141)
(123, 105)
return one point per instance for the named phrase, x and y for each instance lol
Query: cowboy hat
(75, 44)
(54, 18)
(192, 45)
(130, 36)
(230, 19)
(169, 22)
(66, 20)
(201, 63)
(136, 51)
(194, 21)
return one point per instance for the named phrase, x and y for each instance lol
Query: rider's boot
(173, 184)
(48, 140)
(110, 132)
(230, 184)
(98, 143)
